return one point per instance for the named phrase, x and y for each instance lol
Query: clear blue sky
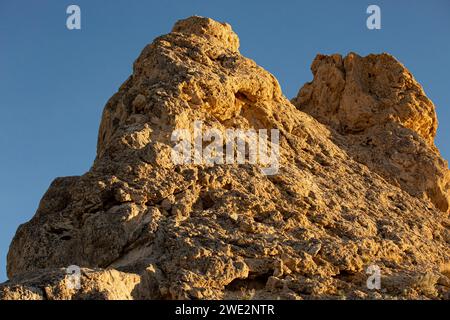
(55, 82)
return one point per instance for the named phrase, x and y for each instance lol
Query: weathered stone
(382, 118)
(152, 229)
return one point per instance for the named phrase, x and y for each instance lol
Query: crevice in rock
(255, 281)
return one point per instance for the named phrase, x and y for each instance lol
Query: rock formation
(360, 183)
(383, 118)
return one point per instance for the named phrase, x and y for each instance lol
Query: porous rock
(143, 227)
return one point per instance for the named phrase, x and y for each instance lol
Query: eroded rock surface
(57, 284)
(383, 118)
(183, 231)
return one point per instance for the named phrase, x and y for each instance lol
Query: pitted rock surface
(360, 183)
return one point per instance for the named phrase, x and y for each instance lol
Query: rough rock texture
(55, 284)
(383, 118)
(144, 228)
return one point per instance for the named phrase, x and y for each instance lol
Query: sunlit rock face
(360, 184)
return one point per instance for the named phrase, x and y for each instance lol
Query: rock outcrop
(383, 118)
(360, 183)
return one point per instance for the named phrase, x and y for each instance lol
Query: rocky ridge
(360, 183)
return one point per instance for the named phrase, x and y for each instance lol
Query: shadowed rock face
(142, 227)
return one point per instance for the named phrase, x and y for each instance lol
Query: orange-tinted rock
(153, 229)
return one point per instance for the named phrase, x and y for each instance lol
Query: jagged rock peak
(197, 72)
(217, 32)
(354, 93)
(384, 120)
